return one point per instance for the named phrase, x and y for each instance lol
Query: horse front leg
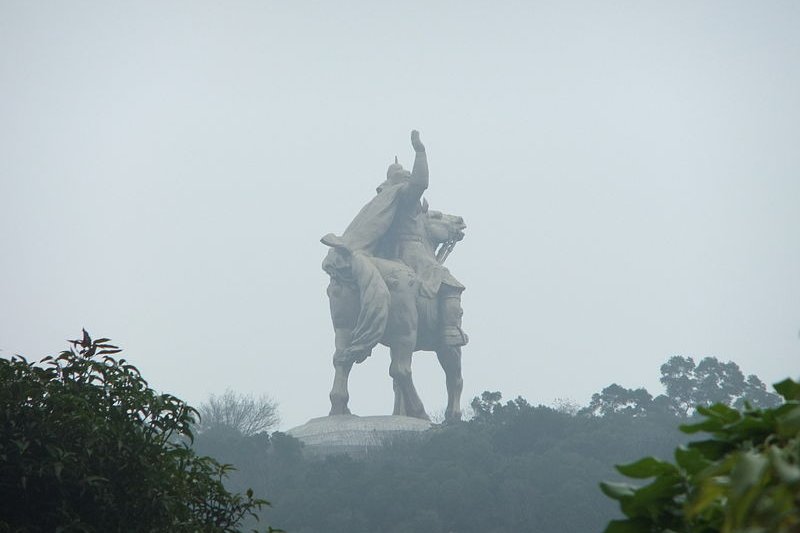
(399, 404)
(339, 394)
(449, 352)
(450, 359)
(400, 372)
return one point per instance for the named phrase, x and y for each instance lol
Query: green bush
(744, 478)
(86, 445)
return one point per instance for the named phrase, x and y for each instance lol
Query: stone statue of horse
(412, 325)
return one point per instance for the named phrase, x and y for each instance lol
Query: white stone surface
(353, 434)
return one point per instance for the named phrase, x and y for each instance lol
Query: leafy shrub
(86, 445)
(745, 478)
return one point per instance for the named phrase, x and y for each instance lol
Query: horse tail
(374, 298)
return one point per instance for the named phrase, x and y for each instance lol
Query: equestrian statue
(389, 285)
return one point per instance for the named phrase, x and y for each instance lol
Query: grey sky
(629, 173)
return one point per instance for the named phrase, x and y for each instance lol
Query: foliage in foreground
(745, 478)
(86, 445)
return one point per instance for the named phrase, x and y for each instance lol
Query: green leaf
(710, 425)
(711, 449)
(789, 423)
(617, 491)
(747, 471)
(663, 489)
(788, 388)
(637, 525)
(788, 473)
(691, 460)
(781, 410)
(750, 428)
(646, 467)
(22, 444)
(709, 493)
(721, 412)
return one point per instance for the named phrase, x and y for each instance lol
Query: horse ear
(425, 205)
(334, 242)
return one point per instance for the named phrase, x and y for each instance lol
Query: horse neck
(430, 243)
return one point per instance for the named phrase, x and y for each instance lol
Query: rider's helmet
(395, 174)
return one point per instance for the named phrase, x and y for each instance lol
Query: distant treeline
(513, 467)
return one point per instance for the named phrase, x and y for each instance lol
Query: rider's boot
(450, 313)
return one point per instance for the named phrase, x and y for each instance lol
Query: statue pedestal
(355, 435)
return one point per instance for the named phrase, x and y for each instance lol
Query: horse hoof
(454, 418)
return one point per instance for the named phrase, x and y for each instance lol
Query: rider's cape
(350, 261)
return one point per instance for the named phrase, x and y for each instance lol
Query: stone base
(355, 435)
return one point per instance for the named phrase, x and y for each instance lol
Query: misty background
(628, 172)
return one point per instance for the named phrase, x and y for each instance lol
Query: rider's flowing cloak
(373, 221)
(351, 261)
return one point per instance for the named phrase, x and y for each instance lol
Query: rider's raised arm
(419, 174)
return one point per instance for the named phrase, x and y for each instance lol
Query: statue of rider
(406, 241)
(392, 226)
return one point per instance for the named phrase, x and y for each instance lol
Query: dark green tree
(87, 445)
(615, 399)
(711, 381)
(484, 406)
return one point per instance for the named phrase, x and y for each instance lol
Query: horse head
(444, 231)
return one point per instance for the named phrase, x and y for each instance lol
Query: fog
(628, 173)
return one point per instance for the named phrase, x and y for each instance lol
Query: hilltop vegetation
(513, 467)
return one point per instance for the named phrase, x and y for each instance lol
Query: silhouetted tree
(243, 413)
(484, 405)
(615, 399)
(711, 381)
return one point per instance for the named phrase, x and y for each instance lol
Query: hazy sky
(629, 173)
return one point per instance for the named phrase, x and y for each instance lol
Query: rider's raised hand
(416, 143)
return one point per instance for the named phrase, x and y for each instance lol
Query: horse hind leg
(339, 394)
(401, 336)
(450, 359)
